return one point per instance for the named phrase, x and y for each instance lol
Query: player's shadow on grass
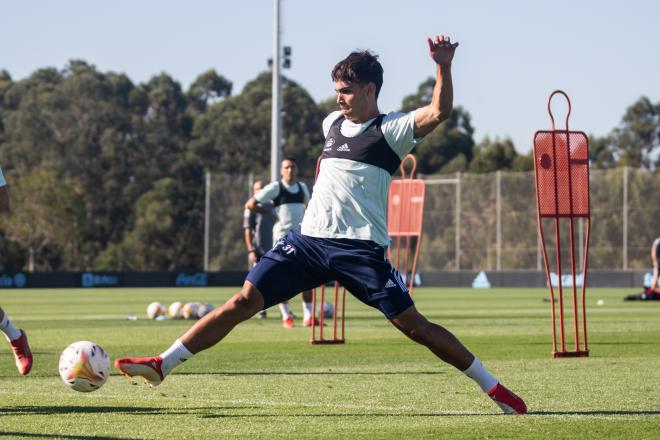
(440, 414)
(604, 412)
(346, 415)
(58, 435)
(128, 410)
(312, 373)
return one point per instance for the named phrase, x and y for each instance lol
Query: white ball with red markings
(84, 366)
(175, 310)
(155, 309)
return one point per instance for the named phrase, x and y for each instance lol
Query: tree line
(106, 174)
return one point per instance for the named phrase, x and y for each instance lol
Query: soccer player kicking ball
(344, 231)
(16, 337)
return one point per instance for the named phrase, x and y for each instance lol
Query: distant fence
(480, 222)
(460, 278)
(30, 280)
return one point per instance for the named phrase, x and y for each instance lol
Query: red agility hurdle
(336, 335)
(561, 169)
(405, 215)
(339, 304)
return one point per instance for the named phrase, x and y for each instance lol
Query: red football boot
(147, 367)
(22, 353)
(507, 400)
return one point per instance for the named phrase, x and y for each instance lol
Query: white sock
(174, 356)
(11, 332)
(307, 310)
(480, 375)
(284, 310)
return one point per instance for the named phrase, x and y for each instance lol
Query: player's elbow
(435, 115)
(430, 123)
(442, 114)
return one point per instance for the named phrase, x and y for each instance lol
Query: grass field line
(60, 396)
(202, 400)
(411, 410)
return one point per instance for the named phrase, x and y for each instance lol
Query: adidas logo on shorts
(343, 147)
(389, 284)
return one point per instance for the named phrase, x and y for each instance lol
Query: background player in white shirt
(290, 197)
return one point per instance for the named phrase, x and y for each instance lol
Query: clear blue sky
(512, 54)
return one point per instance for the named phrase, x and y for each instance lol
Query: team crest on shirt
(330, 142)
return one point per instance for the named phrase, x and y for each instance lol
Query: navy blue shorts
(299, 262)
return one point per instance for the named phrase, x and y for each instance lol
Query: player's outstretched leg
(204, 334)
(18, 342)
(445, 346)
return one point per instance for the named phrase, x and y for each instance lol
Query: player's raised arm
(441, 51)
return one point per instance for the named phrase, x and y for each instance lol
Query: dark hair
(359, 67)
(290, 159)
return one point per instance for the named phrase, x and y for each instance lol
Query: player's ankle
(481, 376)
(174, 356)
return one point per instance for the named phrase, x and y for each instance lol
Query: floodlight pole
(207, 218)
(276, 121)
(625, 218)
(498, 219)
(457, 242)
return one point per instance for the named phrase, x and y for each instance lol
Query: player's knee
(247, 301)
(417, 330)
(419, 333)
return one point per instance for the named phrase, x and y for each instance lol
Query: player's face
(289, 171)
(257, 186)
(355, 99)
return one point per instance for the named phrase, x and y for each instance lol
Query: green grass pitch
(267, 382)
